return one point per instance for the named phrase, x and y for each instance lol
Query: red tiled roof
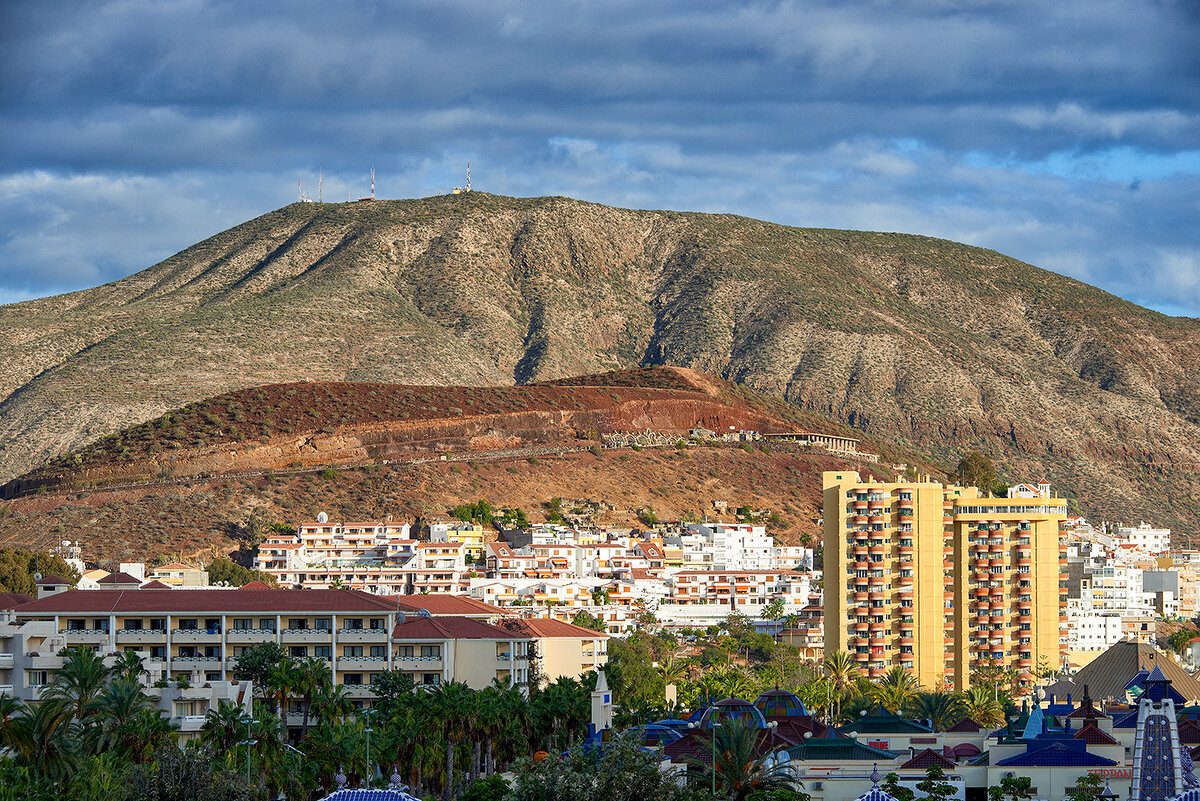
(927, 758)
(965, 725)
(156, 585)
(172, 566)
(199, 600)
(51, 579)
(442, 604)
(119, 578)
(543, 627)
(10, 600)
(1092, 735)
(450, 628)
(255, 585)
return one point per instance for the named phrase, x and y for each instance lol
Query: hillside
(938, 346)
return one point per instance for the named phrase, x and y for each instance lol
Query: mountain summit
(940, 346)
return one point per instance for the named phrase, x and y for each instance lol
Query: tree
(17, 569)
(230, 572)
(1016, 788)
(942, 710)
(621, 771)
(843, 673)
(589, 621)
(895, 690)
(737, 625)
(934, 786)
(1180, 638)
(257, 662)
(773, 612)
(892, 786)
(79, 680)
(491, 788)
(975, 470)
(1087, 788)
(453, 706)
(741, 766)
(982, 705)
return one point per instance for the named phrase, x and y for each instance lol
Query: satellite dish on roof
(66, 543)
(423, 613)
(322, 518)
(37, 576)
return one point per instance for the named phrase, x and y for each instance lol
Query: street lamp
(370, 775)
(247, 742)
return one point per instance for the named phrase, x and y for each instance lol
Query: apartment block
(940, 580)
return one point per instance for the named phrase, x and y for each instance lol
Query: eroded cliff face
(939, 346)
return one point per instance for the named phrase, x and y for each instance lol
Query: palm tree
(129, 665)
(453, 705)
(122, 726)
(941, 709)
(45, 739)
(331, 703)
(896, 689)
(282, 681)
(223, 727)
(10, 707)
(79, 680)
(843, 674)
(982, 706)
(313, 676)
(741, 764)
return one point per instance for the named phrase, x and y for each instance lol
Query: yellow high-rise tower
(940, 580)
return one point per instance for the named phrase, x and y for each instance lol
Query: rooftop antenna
(468, 176)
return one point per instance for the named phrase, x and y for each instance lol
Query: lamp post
(247, 742)
(370, 773)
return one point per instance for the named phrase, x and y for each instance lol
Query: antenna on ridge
(299, 190)
(320, 180)
(372, 182)
(468, 176)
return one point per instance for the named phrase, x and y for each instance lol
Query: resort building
(941, 579)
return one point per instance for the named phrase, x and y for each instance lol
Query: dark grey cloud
(135, 127)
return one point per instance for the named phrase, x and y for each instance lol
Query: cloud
(1067, 135)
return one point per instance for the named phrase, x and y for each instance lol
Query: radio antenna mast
(372, 182)
(468, 176)
(320, 180)
(299, 190)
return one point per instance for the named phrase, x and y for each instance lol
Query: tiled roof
(10, 600)
(1057, 754)
(840, 748)
(441, 604)
(172, 566)
(155, 585)
(255, 585)
(965, 725)
(51, 579)
(451, 628)
(198, 600)
(543, 627)
(1108, 674)
(1093, 735)
(369, 795)
(119, 578)
(885, 723)
(1189, 733)
(926, 759)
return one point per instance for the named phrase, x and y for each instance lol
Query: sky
(1065, 133)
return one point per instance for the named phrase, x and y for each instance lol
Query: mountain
(203, 476)
(938, 346)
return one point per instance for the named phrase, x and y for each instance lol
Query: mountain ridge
(937, 345)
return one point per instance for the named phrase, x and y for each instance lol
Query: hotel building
(941, 580)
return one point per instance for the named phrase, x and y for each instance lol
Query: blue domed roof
(733, 709)
(653, 735)
(779, 703)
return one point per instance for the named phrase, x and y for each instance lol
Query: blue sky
(1066, 134)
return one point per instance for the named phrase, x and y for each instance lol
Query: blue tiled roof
(369, 795)
(876, 794)
(1057, 754)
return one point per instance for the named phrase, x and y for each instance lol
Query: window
(431, 651)
(354, 623)
(378, 623)
(243, 623)
(379, 652)
(213, 624)
(431, 678)
(323, 623)
(38, 678)
(352, 679)
(266, 623)
(133, 624)
(321, 651)
(158, 652)
(352, 651)
(212, 676)
(189, 623)
(298, 651)
(404, 651)
(76, 624)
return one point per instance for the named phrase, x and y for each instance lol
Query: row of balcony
(237, 636)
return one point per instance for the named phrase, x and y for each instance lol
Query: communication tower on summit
(459, 190)
(372, 182)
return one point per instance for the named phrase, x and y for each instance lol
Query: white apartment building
(1155, 541)
(737, 547)
(373, 556)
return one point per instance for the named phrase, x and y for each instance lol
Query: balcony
(249, 636)
(358, 691)
(191, 723)
(362, 663)
(85, 636)
(361, 634)
(305, 635)
(210, 636)
(141, 636)
(6, 661)
(196, 663)
(6, 689)
(417, 663)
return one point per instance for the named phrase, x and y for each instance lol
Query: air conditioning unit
(818, 785)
